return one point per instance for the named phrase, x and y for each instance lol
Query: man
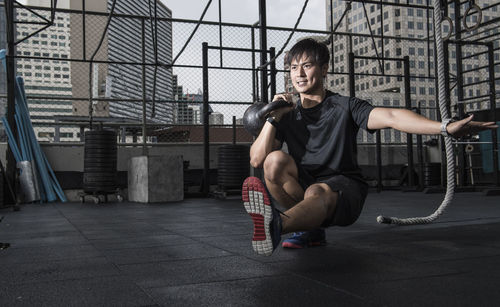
(319, 181)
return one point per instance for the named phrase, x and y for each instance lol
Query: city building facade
(117, 89)
(402, 31)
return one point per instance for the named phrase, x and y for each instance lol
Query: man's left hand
(468, 127)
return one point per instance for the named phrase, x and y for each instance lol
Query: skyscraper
(379, 80)
(43, 77)
(124, 43)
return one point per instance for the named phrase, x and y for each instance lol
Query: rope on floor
(450, 188)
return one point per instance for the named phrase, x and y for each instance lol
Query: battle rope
(192, 34)
(450, 188)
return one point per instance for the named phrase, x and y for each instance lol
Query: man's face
(307, 75)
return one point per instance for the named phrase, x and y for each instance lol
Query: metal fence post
(272, 53)
(255, 74)
(263, 50)
(144, 107)
(11, 78)
(206, 137)
(494, 136)
(352, 91)
(378, 149)
(420, 155)
(462, 175)
(409, 136)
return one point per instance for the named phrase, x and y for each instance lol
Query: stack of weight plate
(432, 174)
(99, 167)
(234, 166)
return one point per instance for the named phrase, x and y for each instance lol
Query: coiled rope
(450, 188)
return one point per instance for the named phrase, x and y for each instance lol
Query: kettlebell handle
(273, 105)
(255, 116)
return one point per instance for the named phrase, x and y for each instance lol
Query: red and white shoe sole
(258, 206)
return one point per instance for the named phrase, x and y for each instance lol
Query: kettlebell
(255, 116)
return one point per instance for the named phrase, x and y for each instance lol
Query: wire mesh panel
(140, 71)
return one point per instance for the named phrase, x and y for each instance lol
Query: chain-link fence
(143, 75)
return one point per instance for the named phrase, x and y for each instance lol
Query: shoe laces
(281, 212)
(297, 234)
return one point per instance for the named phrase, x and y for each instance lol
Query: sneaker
(304, 239)
(266, 219)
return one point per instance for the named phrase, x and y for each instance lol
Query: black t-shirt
(322, 139)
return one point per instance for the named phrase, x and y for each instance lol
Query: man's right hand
(277, 114)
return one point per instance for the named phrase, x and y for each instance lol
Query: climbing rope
(450, 188)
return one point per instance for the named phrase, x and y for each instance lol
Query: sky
(280, 13)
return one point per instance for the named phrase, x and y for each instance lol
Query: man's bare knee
(323, 192)
(275, 165)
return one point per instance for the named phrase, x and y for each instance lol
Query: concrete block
(153, 179)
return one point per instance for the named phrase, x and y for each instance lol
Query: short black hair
(311, 47)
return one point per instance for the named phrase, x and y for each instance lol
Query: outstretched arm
(411, 122)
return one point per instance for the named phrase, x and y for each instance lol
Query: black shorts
(352, 195)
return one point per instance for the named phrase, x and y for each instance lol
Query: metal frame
(258, 86)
